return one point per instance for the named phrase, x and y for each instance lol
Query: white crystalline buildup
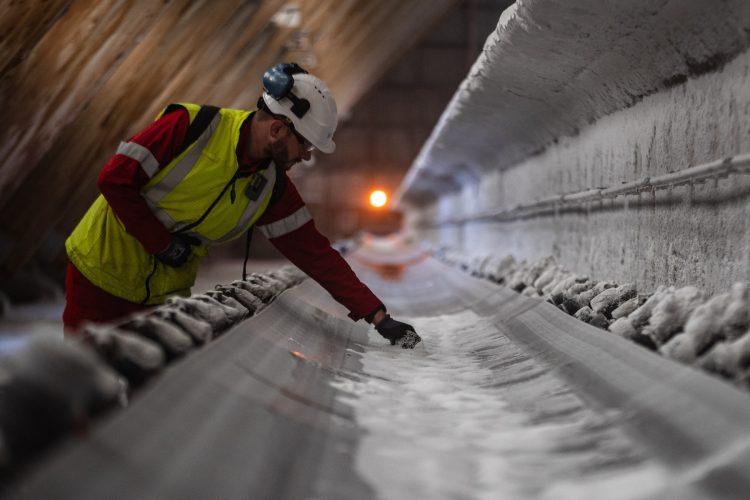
(558, 293)
(500, 268)
(199, 330)
(482, 266)
(578, 295)
(560, 275)
(49, 385)
(67, 371)
(585, 314)
(736, 317)
(290, 275)
(664, 319)
(626, 308)
(688, 298)
(671, 312)
(729, 358)
(232, 314)
(681, 347)
(247, 299)
(538, 268)
(641, 316)
(562, 284)
(600, 286)
(606, 302)
(704, 323)
(627, 291)
(740, 291)
(174, 341)
(271, 285)
(516, 280)
(624, 328)
(476, 263)
(129, 353)
(212, 315)
(584, 298)
(578, 288)
(132, 347)
(255, 287)
(545, 278)
(234, 309)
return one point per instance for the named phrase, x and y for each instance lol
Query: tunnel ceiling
(79, 76)
(553, 67)
(387, 127)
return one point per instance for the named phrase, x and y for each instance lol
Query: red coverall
(121, 180)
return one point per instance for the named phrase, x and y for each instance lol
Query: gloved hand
(179, 250)
(396, 331)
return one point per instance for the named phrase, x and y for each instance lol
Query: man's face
(287, 150)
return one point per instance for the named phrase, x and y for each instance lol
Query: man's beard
(280, 155)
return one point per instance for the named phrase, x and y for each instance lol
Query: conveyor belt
(507, 398)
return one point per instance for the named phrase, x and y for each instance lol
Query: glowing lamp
(378, 198)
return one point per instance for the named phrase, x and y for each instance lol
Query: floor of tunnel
(300, 402)
(470, 414)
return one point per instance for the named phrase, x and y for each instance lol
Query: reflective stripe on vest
(140, 154)
(287, 224)
(155, 193)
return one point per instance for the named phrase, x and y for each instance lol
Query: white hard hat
(307, 103)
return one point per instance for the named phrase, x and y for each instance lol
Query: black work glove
(179, 250)
(396, 331)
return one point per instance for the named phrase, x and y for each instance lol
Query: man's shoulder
(179, 107)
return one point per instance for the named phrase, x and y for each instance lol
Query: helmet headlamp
(278, 81)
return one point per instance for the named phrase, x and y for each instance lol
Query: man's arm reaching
(289, 226)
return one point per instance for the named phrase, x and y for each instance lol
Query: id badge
(255, 188)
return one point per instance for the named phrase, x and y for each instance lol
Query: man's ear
(275, 128)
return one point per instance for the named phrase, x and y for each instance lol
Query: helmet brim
(327, 148)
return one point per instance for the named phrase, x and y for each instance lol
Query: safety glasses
(306, 145)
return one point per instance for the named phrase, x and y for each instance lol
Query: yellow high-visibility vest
(199, 193)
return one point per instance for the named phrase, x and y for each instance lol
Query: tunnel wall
(571, 133)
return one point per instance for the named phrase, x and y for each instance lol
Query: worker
(198, 176)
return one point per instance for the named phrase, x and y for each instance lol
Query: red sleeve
(309, 250)
(122, 178)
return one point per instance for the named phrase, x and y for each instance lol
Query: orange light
(378, 198)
